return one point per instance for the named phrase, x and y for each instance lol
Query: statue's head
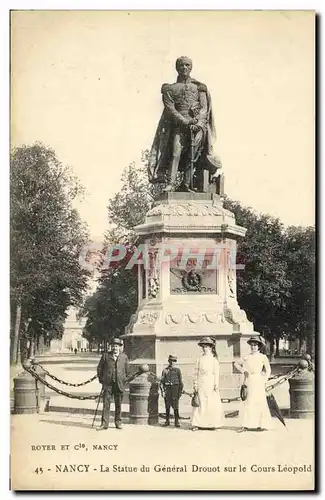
(183, 66)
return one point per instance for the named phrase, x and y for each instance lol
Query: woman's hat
(257, 339)
(206, 341)
(116, 342)
(172, 358)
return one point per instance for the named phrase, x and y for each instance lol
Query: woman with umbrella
(256, 369)
(209, 413)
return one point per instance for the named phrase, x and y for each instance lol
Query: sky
(87, 84)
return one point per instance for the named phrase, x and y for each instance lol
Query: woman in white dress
(256, 369)
(209, 415)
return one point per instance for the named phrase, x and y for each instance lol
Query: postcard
(162, 277)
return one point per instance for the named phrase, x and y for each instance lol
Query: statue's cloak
(161, 150)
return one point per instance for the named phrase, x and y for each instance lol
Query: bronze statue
(183, 140)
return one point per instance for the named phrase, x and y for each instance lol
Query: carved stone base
(175, 327)
(178, 306)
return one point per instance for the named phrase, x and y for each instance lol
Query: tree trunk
(311, 344)
(277, 345)
(31, 352)
(301, 343)
(272, 349)
(15, 340)
(303, 346)
(23, 350)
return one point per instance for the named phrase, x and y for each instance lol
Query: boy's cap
(116, 341)
(172, 358)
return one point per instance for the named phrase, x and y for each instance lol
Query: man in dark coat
(113, 371)
(172, 387)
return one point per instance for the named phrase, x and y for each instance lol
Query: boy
(171, 385)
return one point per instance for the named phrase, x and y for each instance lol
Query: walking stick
(99, 398)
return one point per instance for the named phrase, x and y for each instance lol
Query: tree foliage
(46, 235)
(264, 287)
(300, 314)
(109, 310)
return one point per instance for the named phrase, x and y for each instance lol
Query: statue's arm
(170, 108)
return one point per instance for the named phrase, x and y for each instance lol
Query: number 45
(39, 470)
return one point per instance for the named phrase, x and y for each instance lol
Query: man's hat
(172, 358)
(206, 341)
(256, 339)
(116, 342)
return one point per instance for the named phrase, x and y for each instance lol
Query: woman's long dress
(210, 413)
(256, 413)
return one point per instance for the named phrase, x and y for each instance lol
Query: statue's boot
(172, 174)
(187, 182)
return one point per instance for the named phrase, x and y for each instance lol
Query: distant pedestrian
(171, 385)
(113, 371)
(75, 350)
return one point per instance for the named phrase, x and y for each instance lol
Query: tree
(264, 287)
(47, 235)
(300, 317)
(109, 310)
(129, 206)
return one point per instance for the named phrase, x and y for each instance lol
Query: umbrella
(274, 408)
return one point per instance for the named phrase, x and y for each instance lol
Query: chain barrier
(311, 366)
(279, 375)
(30, 369)
(283, 378)
(223, 400)
(69, 384)
(280, 380)
(56, 389)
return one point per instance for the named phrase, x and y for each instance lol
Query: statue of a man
(183, 140)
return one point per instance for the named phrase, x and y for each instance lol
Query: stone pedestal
(187, 287)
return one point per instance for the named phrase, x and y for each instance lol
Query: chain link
(32, 372)
(223, 400)
(69, 384)
(283, 378)
(311, 366)
(56, 389)
(280, 380)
